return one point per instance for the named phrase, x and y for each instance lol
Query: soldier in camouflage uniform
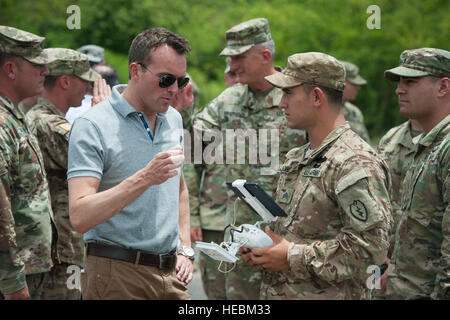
(69, 79)
(248, 109)
(25, 209)
(26, 104)
(397, 148)
(353, 82)
(334, 190)
(185, 102)
(420, 263)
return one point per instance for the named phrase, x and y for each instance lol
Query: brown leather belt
(161, 261)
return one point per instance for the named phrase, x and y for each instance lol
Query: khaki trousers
(109, 279)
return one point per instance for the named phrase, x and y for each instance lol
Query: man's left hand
(184, 269)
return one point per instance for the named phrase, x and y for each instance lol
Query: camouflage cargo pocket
(421, 217)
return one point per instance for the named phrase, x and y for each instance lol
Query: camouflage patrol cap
(351, 74)
(95, 53)
(71, 62)
(421, 62)
(24, 44)
(246, 35)
(314, 68)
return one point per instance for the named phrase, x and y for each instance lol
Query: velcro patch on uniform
(285, 195)
(315, 173)
(355, 197)
(351, 179)
(358, 210)
(66, 126)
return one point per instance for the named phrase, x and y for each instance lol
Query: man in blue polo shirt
(126, 191)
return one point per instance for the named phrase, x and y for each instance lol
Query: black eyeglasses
(166, 80)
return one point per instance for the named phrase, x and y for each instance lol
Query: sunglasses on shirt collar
(166, 80)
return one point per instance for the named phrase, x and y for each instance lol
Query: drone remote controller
(252, 237)
(246, 235)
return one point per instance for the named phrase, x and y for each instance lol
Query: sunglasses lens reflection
(183, 82)
(168, 79)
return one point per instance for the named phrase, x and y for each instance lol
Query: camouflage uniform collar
(332, 137)
(407, 140)
(259, 94)
(11, 107)
(443, 126)
(254, 98)
(7, 102)
(49, 106)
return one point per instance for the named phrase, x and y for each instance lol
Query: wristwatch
(187, 252)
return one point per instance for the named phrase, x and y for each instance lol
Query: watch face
(189, 251)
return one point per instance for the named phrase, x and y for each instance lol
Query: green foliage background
(337, 27)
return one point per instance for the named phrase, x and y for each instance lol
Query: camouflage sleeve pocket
(356, 199)
(63, 129)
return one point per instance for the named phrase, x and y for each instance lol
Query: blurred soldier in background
(96, 56)
(397, 148)
(353, 82)
(107, 72)
(69, 79)
(247, 109)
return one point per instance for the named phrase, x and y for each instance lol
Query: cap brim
(358, 81)
(234, 51)
(394, 74)
(90, 75)
(281, 80)
(94, 59)
(43, 58)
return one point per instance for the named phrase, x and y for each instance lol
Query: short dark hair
(50, 81)
(334, 96)
(153, 38)
(7, 56)
(109, 73)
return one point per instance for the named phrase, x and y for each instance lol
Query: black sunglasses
(166, 80)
